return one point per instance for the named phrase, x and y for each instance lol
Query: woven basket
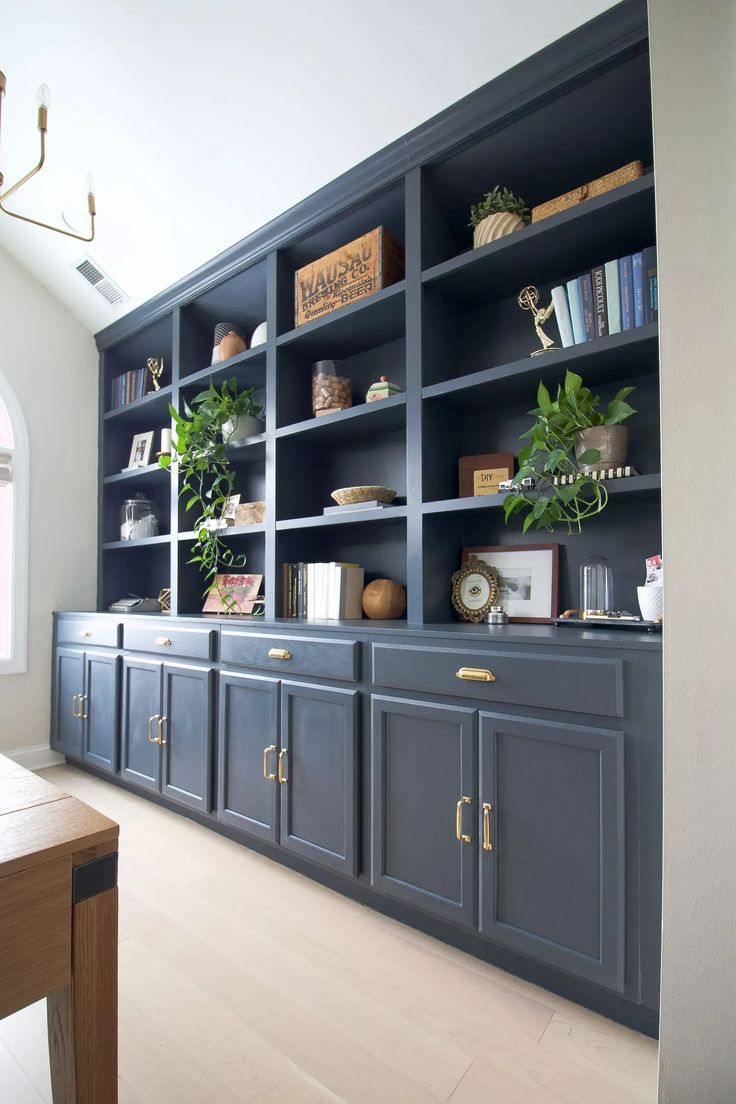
(606, 183)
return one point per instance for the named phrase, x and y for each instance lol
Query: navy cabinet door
(101, 710)
(68, 691)
(248, 746)
(318, 774)
(142, 708)
(187, 735)
(423, 797)
(551, 820)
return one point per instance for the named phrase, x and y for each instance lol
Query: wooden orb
(384, 600)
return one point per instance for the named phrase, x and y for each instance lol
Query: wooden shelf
(390, 515)
(231, 531)
(152, 473)
(381, 416)
(253, 451)
(248, 367)
(156, 403)
(635, 485)
(363, 325)
(144, 542)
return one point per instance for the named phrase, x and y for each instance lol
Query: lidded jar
(596, 585)
(331, 387)
(138, 518)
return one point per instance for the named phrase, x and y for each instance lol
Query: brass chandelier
(43, 110)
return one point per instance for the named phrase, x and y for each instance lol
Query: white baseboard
(35, 758)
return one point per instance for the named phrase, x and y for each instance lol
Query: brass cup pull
(85, 633)
(475, 674)
(83, 714)
(74, 706)
(161, 739)
(487, 810)
(266, 772)
(278, 653)
(163, 641)
(462, 838)
(282, 755)
(151, 738)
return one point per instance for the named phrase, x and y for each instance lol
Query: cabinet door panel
(142, 693)
(249, 724)
(422, 766)
(553, 885)
(187, 730)
(102, 684)
(67, 734)
(319, 735)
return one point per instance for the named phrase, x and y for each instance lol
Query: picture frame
(474, 590)
(528, 578)
(482, 474)
(242, 590)
(140, 450)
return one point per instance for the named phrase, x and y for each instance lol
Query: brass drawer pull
(278, 653)
(487, 809)
(282, 755)
(266, 772)
(74, 706)
(163, 641)
(475, 674)
(85, 633)
(161, 738)
(462, 838)
(83, 715)
(151, 738)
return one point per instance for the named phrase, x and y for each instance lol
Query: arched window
(14, 492)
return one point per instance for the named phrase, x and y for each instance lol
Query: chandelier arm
(47, 225)
(24, 179)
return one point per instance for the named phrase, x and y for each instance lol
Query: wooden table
(59, 929)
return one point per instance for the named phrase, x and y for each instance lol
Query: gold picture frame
(474, 590)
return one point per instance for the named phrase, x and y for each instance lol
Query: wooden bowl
(348, 496)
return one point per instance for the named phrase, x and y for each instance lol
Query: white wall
(51, 363)
(694, 93)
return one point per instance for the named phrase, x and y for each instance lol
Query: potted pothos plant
(562, 442)
(200, 442)
(500, 212)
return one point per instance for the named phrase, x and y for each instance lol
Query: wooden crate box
(360, 268)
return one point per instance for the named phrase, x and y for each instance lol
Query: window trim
(17, 662)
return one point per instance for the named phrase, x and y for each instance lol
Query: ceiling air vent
(102, 283)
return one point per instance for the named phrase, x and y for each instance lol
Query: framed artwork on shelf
(474, 590)
(482, 474)
(233, 594)
(527, 578)
(140, 450)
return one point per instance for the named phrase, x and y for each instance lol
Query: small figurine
(528, 300)
(155, 366)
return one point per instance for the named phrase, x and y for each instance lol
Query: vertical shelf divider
(413, 299)
(176, 358)
(272, 317)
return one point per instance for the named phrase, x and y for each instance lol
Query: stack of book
(322, 591)
(615, 296)
(128, 387)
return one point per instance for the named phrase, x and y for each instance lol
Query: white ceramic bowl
(259, 335)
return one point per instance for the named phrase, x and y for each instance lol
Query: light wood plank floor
(243, 982)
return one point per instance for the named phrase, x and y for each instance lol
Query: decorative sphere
(384, 600)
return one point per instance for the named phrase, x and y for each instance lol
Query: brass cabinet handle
(487, 809)
(282, 754)
(161, 739)
(151, 738)
(74, 706)
(163, 641)
(266, 772)
(462, 838)
(83, 715)
(85, 633)
(475, 674)
(278, 653)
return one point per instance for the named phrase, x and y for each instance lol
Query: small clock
(474, 590)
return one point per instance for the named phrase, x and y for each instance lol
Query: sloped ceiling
(202, 121)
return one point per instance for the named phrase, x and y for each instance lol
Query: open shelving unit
(450, 334)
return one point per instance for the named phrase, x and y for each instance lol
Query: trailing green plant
(207, 479)
(498, 201)
(551, 452)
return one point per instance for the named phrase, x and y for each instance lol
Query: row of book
(128, 387)
(322, 591)
(615, 296)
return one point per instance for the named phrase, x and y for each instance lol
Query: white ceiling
(202, 121)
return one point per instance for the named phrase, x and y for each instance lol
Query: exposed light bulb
(44, 96)
(90, 184)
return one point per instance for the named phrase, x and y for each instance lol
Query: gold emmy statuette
(529, 300)
(156, 368)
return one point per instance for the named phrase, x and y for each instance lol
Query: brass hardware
(487, 809)
(163, 641)
(278, 653)
(161, 739)
(528, 299)
(86, 633)
(82, 714)
(266, 773)
(282, 753)
(74, 708)
(475, 674)
(151, 738)
(462, 838)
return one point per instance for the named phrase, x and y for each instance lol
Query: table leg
(83, 1017)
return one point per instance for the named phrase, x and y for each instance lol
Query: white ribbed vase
(496, 226)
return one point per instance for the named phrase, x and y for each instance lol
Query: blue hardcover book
(637, 270)
(562, 314)
(613, 297)
(586, 299)
(651, 285)
(627, 293)
(576, 311)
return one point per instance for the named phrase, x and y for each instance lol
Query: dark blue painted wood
(422, 764)
(187, 731)
(140, 760)
(332, 659)
(553, 885)
(84, 632)
(102, 710)
(167, 639)
(319, 768)
(248, 726)
(66, 734)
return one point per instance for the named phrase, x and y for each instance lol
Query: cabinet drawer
(166, 639)
(99, 632)
(302, 655)
(576, 684)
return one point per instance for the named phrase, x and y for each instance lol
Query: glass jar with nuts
(331, 387)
